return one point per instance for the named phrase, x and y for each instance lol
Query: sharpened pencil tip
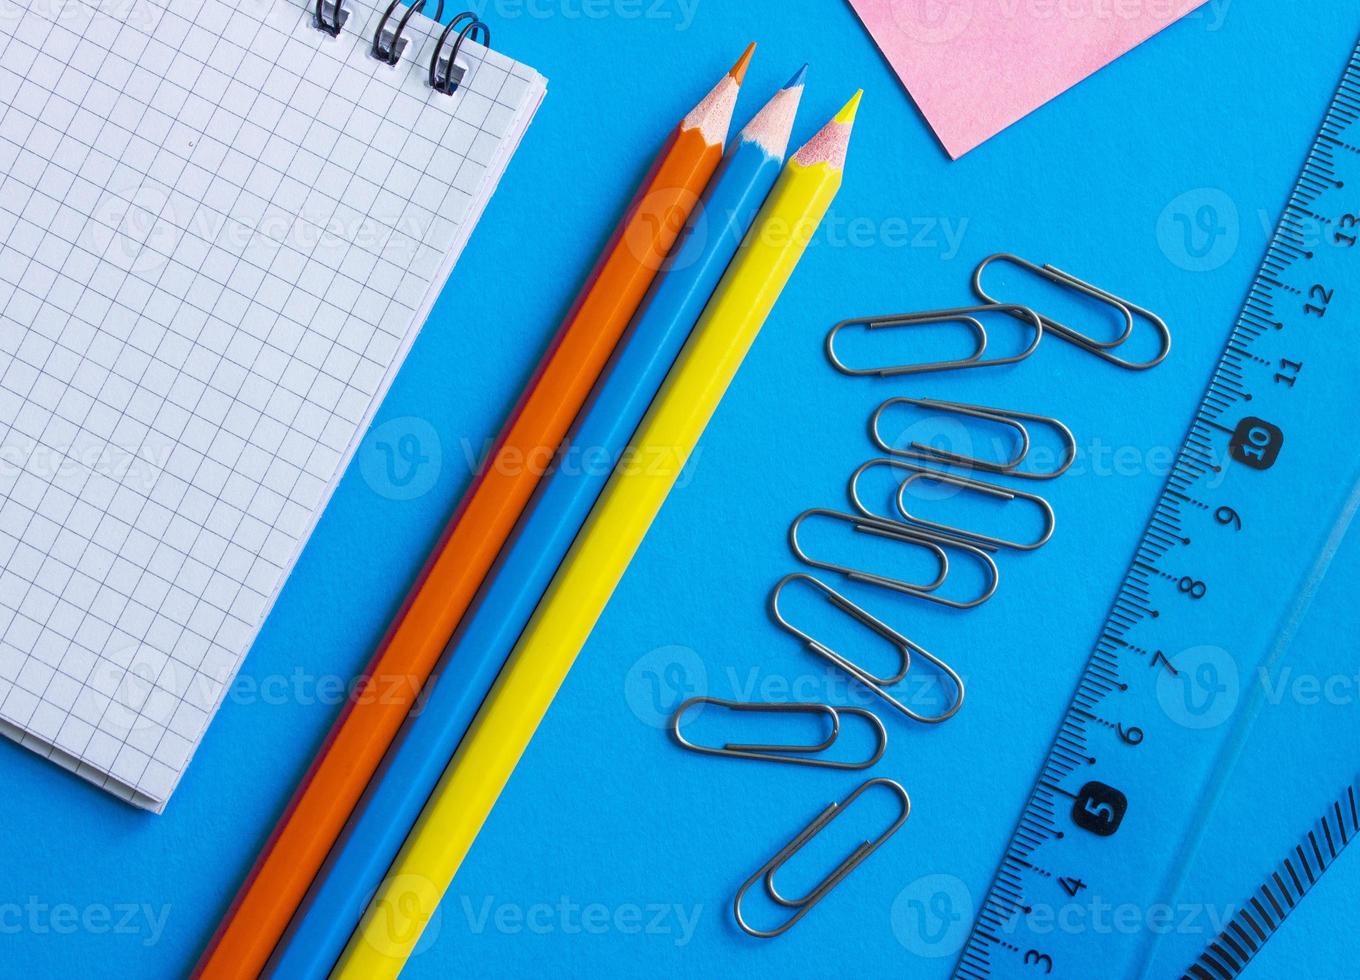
(830, 144)
(739, 69)
(771, 126)
(798, 78)
(847, 115)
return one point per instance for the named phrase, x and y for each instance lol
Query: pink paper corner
(975, 67)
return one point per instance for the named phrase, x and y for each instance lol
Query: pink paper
(976, 66)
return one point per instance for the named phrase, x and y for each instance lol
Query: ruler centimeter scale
(1282, 890)
(1260, 496)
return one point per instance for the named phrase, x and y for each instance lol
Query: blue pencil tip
(797, 79)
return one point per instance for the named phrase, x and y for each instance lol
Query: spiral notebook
(222, 224)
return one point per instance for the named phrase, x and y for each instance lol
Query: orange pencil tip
(738, 71)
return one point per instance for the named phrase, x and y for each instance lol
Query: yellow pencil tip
(739, 69)
(847, 115)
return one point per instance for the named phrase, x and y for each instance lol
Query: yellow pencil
(616, 526)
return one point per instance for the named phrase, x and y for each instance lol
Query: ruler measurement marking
(1273, 307)
(1270, 896)
(1292, 896)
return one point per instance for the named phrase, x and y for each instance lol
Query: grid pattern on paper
(220, 230)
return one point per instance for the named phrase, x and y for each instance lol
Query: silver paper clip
(904, 647)
(1004, 494)
(967, 316)
(800, 755)
(1086, 342)
(971, 549)
(802, 906)
(1005, 417)
(893, 531)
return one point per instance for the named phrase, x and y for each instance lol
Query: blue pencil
(375, 832)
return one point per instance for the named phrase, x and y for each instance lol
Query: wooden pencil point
(847, 115)
(830, 145)
(738, 71)
(712, 117)
(771, 127)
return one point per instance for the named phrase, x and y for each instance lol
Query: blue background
(604, 811)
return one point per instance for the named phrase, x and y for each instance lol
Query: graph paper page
(220, 231)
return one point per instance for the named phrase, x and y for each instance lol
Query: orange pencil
(578, 354)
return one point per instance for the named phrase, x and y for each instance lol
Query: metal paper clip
(1099, 348)
(1001, 416)
(905, 649)
(966, 315)
(771, 752)
(857, 857)
(946, 542)
(891, 530)
(977, 486)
